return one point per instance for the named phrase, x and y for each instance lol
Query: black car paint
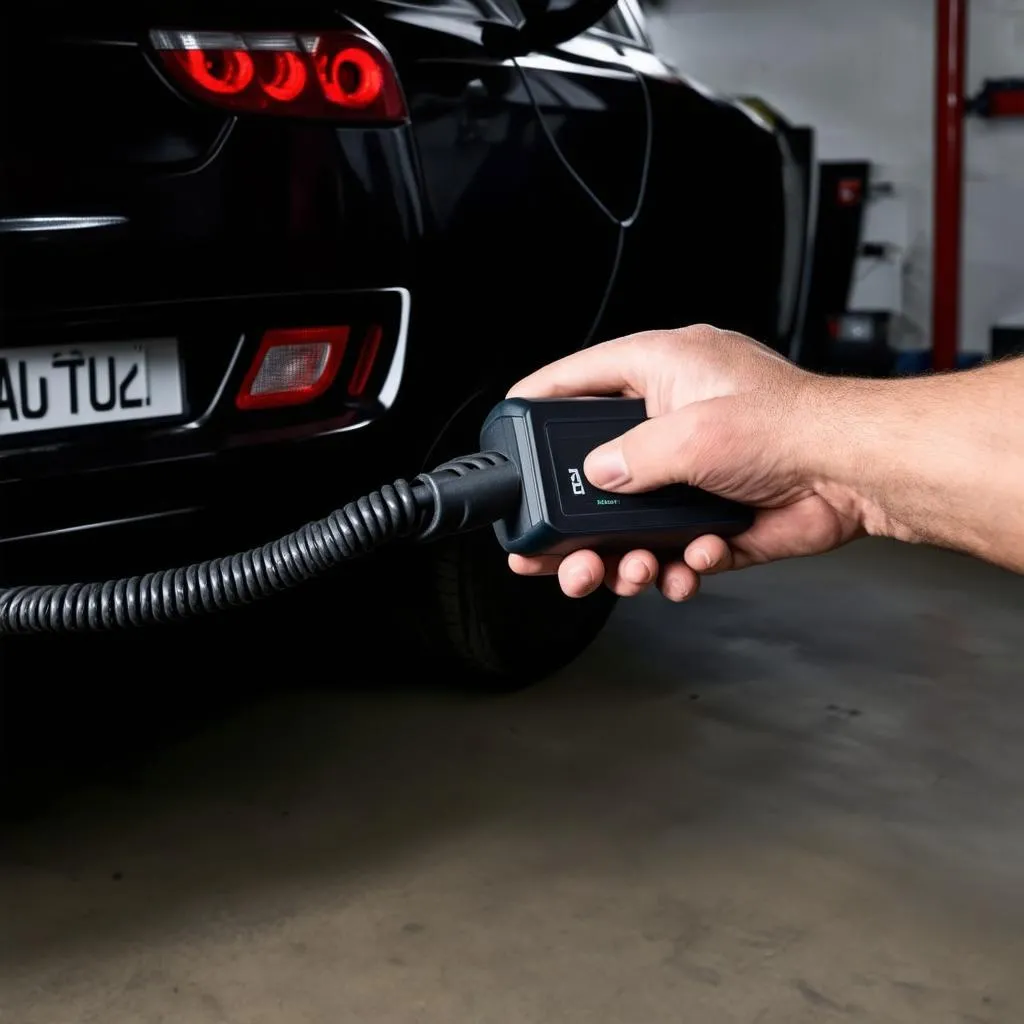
(528, 207)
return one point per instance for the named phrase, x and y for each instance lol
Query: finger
(678, 581)
(604, 369)
(709, 555)
(580, 573)
(542, 565)
(660, 451)
(632, 574)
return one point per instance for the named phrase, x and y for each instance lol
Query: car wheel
(497, 630)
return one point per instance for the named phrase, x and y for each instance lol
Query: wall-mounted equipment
(999, 97)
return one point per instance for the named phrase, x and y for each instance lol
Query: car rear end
(208, 244)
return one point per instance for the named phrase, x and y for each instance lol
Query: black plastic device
(559, 510)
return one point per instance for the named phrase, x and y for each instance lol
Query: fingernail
(703, 557)
(606, 467)
(637, 571)
(581, 579)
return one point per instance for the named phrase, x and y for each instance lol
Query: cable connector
(468, 493)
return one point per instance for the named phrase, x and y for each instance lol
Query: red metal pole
(950, 61)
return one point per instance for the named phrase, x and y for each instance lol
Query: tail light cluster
(296, 365)
(338, 75)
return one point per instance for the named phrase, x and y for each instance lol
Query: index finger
(602, 370)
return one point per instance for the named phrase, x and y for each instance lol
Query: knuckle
(698, 333)
(652, 343)
(658, 350)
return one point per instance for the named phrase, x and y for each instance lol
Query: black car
(259, 259)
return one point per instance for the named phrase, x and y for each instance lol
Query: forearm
(935, 459)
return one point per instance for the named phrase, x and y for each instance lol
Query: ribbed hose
(359, 528)
(460, 495)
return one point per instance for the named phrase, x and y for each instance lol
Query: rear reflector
(364, 364)
(293, 366)
(340, 75)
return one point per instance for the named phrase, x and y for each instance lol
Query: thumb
(659, 451)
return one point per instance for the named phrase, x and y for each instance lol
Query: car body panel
(526, 208)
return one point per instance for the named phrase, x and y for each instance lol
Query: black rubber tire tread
(501, 630)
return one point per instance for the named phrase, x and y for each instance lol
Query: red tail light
(293, 366)
(331, 74)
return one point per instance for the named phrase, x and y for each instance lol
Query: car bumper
(139, 518)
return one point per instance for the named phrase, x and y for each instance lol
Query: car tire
(498, 631)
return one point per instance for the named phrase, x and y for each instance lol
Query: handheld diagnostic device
(559, 510)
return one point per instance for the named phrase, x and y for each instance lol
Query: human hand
(727, 414)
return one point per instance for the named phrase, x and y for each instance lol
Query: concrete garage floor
(799, 799)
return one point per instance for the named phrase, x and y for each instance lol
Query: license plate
(83, 385)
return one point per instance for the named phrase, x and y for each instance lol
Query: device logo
(576, 479)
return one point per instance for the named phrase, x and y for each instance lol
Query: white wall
(862, 72)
